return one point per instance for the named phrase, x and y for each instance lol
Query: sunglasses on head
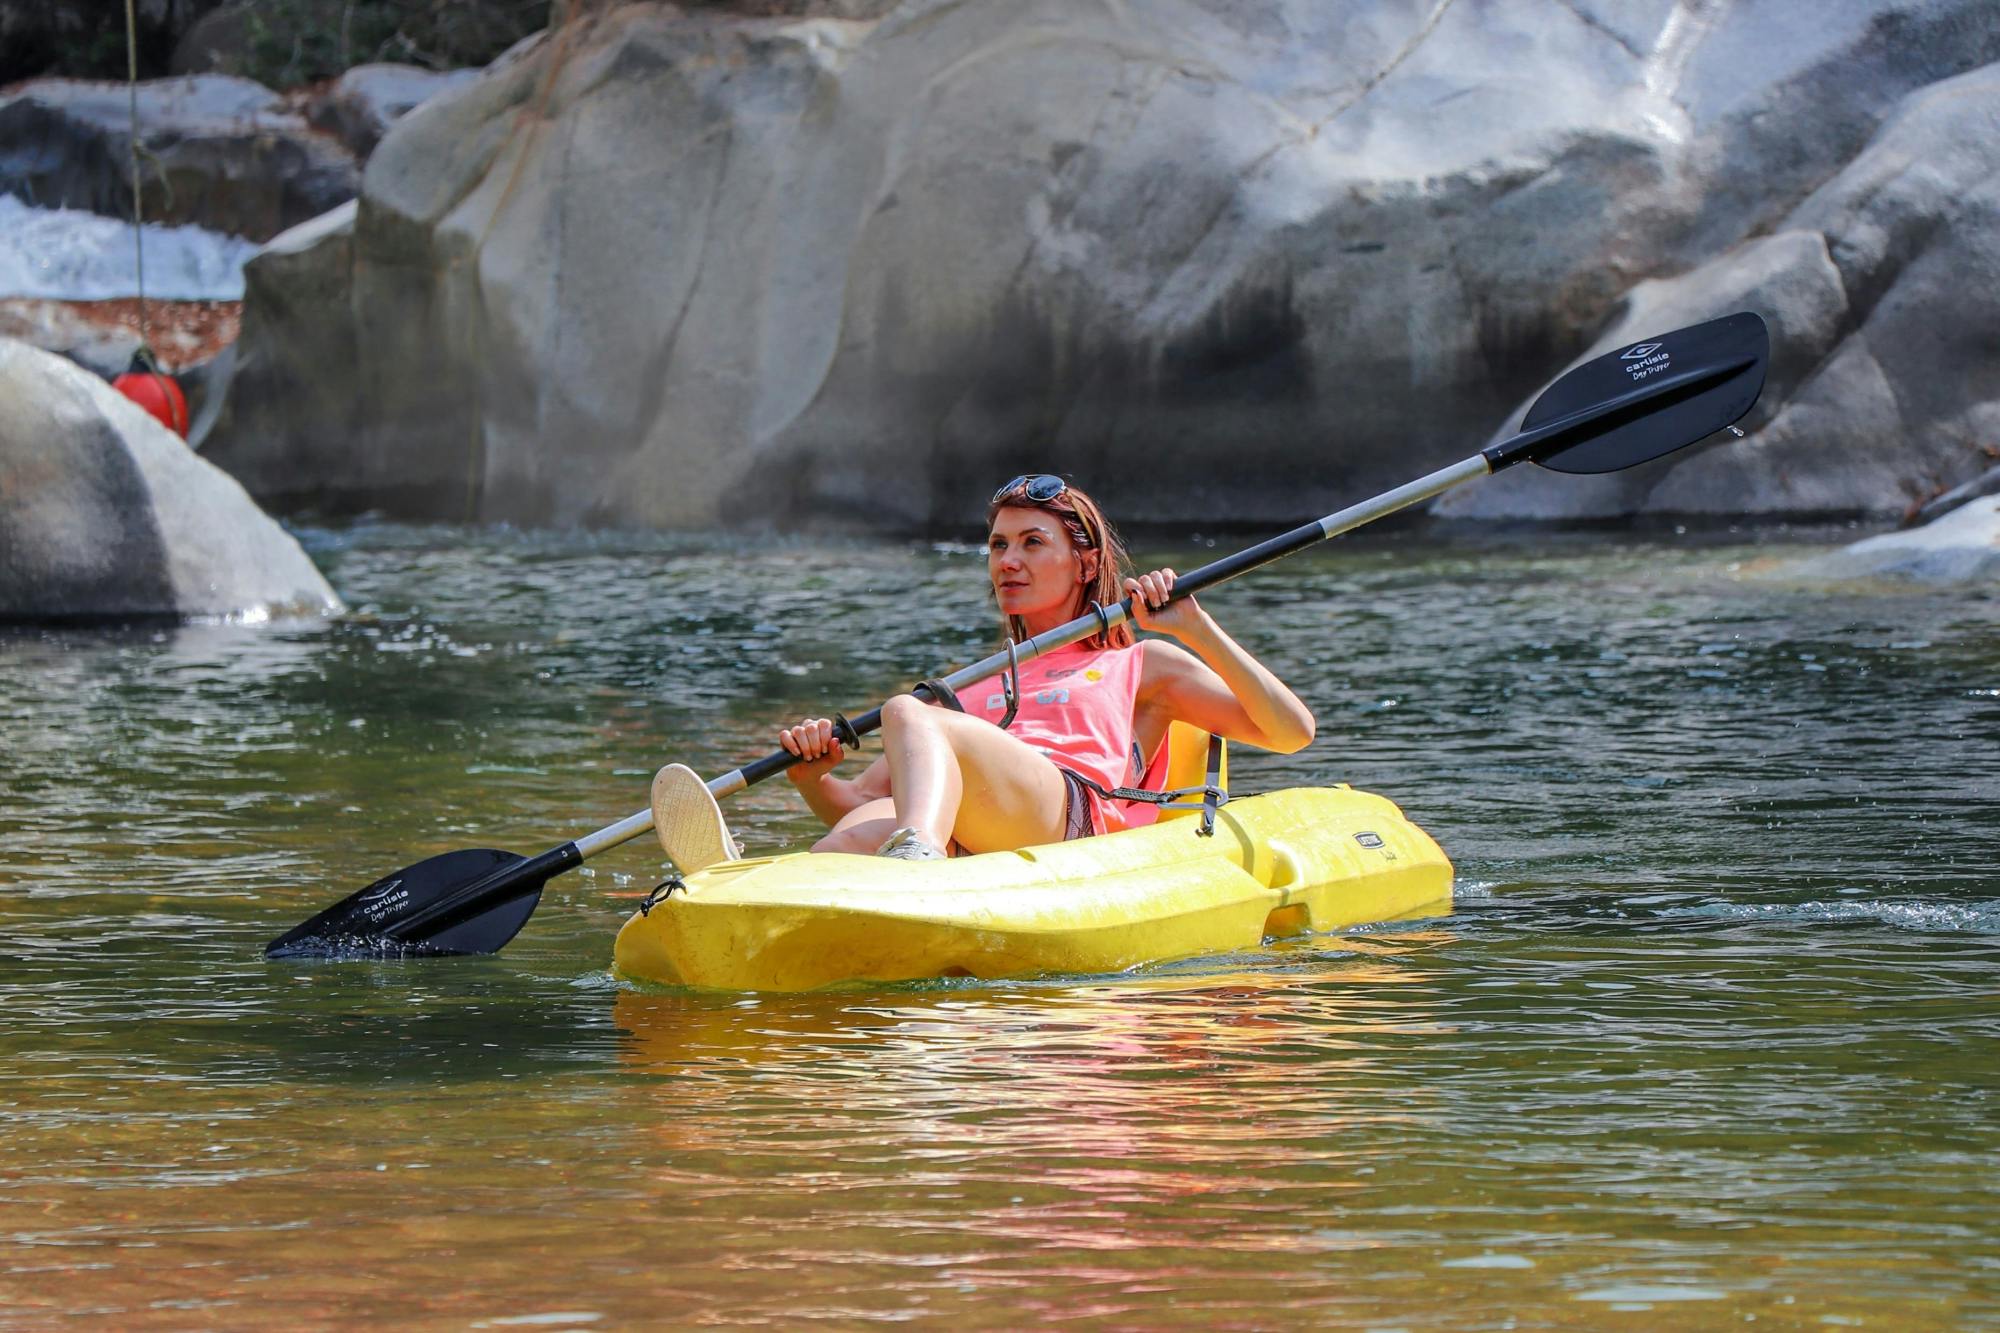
(1041, 487)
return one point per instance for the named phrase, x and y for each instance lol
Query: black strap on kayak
(662, 891)
(1213, 795)
(939, 693)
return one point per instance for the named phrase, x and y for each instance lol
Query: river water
(1709, 1037)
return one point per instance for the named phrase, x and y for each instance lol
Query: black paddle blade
(395, 916)
(1645, 400)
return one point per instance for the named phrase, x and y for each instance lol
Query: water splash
(1902, 914)
(67, 254)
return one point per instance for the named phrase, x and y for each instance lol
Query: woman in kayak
(1086, 712)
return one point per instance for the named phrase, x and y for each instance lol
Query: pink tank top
(1076, 708)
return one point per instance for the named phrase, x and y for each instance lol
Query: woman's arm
(828, 796)
(1218, 686)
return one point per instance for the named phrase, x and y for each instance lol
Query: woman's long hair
(1088, 531)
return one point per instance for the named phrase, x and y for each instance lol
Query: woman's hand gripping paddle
(1640, 402)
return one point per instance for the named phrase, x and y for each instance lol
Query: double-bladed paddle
(1627, 407)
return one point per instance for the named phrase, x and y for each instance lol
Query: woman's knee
(903, 710)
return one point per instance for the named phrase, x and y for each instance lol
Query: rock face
(1986, 483)
(1240, 261)
(219, 151)
(1885, 388)
(1961, 547)
(105, 515)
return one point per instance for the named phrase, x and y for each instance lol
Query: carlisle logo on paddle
(1645, 360)
(385, 897)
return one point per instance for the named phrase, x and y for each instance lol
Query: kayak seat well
(1186, 765)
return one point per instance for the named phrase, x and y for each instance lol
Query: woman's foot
(906, 844)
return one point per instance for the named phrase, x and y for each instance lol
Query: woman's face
(1031, 562)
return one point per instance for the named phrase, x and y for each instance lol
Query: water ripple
(1706, 1035)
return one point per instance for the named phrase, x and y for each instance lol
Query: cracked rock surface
(1226, 262)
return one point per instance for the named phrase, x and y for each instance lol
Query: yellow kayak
(1284, 863)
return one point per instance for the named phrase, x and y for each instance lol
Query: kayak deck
(1283, 863)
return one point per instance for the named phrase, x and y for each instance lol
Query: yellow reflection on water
(1103, 1118)
(1283, 1143)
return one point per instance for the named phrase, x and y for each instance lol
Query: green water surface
(1708, 1040)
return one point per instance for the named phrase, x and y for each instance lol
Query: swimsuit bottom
(1077, 821)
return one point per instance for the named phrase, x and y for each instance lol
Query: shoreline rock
(1962, 547)
(107, 516)
(102, 335)
(220, 151)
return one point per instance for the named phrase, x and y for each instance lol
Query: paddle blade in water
(392, 917)
(1644, 400)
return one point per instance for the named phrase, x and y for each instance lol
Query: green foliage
(280, 43)
(85, 39)
(290, 42)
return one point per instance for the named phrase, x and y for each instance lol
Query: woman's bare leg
(862, 829)
(924, 777)
(955, 776)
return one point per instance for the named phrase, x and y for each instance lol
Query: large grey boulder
(1885, 388)
(220, 151)
(1228, 262)
(106, 515)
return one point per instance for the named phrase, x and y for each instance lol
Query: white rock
(104, 514)
(1245, 261)
(1961, 547)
